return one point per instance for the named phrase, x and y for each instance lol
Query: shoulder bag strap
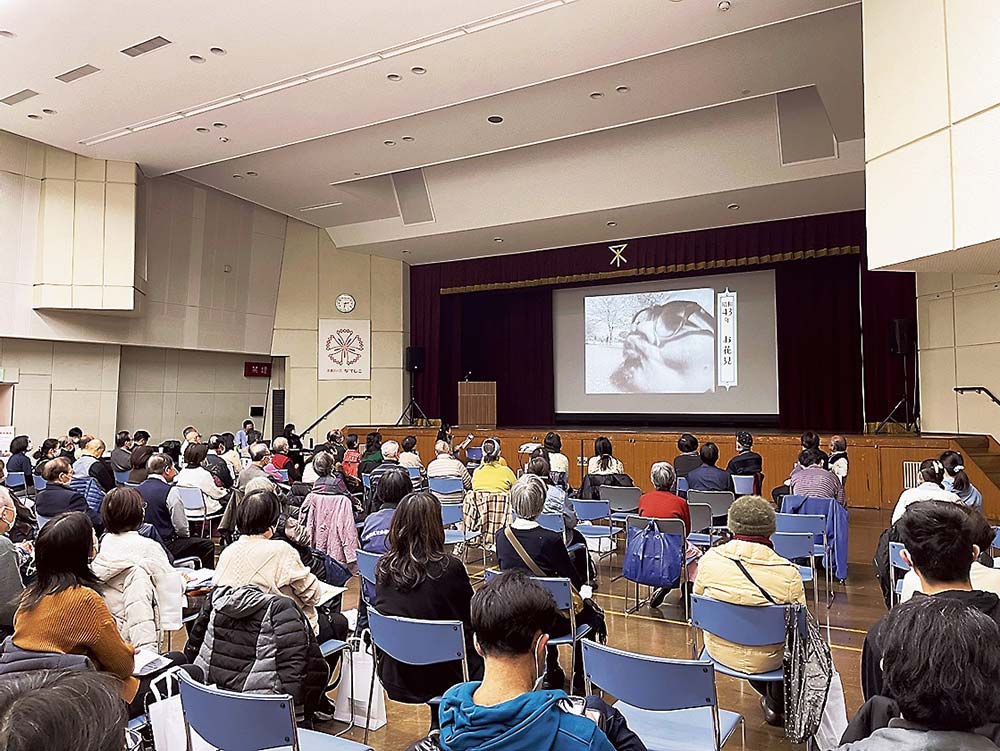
(763, 591)
(522, 553)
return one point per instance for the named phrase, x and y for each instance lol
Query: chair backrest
(366, 565)
(191, 498)
(996, 537)
(636, 524)
(792, 545)
(812, 523)
(719, 500)
(14, 480)
(749, 625)
(414, 472)
(39, 482)
(121, 477)
(445, 485)
(451, 513)
(896, 556)
(227, 719)
(650, 683)
(591, 510)
(283, 474)
(701, 516)
(560, 588)
(621, 500)
(366, 480)
(551, 522)
(911, 475)
(474, 454)
(682, 485)
(417, 642)
(744, 484)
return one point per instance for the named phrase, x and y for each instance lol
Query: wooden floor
(662, 632)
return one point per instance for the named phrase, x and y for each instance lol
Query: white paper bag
(356, 673)
(166, 716)
(834, 721)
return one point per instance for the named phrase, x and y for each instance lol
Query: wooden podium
(477, 404)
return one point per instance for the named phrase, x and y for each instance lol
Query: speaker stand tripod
(412, 411)
(909, 423)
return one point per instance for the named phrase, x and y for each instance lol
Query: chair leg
(371, 695)
(350, 698)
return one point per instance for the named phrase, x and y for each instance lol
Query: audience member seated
(372, 455)
(708, 476)
(352, 457)
(931, 488)
(838, 462)
(603, 462)
(141, 588)
(493, 475)
(216, 464)
(58, 497)
(957, 481)
(417, 578)
(11, 556)
(942, 665)
(260, 456)
(294, 441)
(747, 461)
(512, 617)
(243, 441)
(273, 566)
(138, 460)
(392, 488)
(44, 710)
(446, 465)
(279, 453)
(18, 461)
(737, 572)
(90, 465)
(165, 511)
(558, 462)
(67, 448)
(190, 435)
(75, 434)
(121, 454)
(689, 458)
(390, 460)
(814, 481)
(982, 577)
(809, 440)
(230, 454)
(172, 449)
(410, 457)
(661, 503)
(557, 501)
(940, 546)
(194, 475)
(330, 513)
(46, 452)
(140, 438)
(524, 544)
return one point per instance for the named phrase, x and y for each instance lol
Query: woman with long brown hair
(418, 578)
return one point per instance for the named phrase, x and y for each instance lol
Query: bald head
(95, 447)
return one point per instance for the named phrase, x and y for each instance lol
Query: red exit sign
(256, 369)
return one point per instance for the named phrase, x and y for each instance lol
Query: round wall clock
(346, 303)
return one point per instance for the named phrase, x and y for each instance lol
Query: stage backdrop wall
(493, 316)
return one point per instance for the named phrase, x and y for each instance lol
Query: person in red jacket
(661, 503)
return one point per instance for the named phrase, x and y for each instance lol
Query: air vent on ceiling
(77, 73)
(148, 46)
(19, 96)
(412, 197)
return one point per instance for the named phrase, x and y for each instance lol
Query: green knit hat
(751, 516)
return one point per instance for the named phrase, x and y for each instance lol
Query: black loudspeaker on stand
(413, 412)
(902, 343)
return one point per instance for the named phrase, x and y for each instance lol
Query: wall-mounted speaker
(414, 359)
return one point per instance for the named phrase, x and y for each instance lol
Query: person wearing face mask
(508, 710)
(46, 452)
(11, 583)
(58, 496)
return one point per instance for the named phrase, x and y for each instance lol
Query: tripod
(909, 422)
(412, 411)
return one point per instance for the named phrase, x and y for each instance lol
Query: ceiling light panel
(322, 206)
(210, 107)
(437, 39)
(154, 123)
(508, 17)
(148, 46)
(275, 87)
(77, 73)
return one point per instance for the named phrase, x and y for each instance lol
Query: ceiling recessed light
(34, 117)
(417, 70)
(389, 143)
(219, 125)
(217, 51)
(404, 251)
(495, 119)
(322, 206)
(408, 139)
(725, 5)
(596, 94)
(357, 174)
(251, 173)
(237, 177)
(7, 34)
(49, 112)
(612, 224)
(394, 77)
(623, 89)
(745, 91)
(196, 58)
(498, 239)
(224, 139)
(201, 129)
(733, 207)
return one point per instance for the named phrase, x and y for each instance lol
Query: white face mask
(539, 672)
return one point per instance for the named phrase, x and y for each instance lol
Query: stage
(876, 461)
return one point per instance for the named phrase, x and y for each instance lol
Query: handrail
(335, 406)
(978, 390)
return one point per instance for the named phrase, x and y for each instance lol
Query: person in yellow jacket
(751, 520)
(493, 475)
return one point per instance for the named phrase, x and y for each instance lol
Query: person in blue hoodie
(506, 710)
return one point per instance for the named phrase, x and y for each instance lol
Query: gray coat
(908, 736)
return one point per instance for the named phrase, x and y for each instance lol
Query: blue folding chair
(748, 625)
(367, 563)
(591, 511)
(451, 514)
(366, 480)
(996, 540)
(39, 482)
(701, 519)
(682, 487)
(814, 524)
(669, 704)
(473, 456)
(897, 563)
(16, 480)
(624, 502)
(249, 722)
(794, 546)
(636, 524)
(196, 507)
(415, 642)
(719, 500)
(447, 486)
(121, 477)
(283, 474)
(414, 472)
(743, 484)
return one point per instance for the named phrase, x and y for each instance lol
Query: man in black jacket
(747, 461)
(215, 464)
(938, 536)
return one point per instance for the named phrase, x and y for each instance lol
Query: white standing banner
(726, 337)
(345, 350)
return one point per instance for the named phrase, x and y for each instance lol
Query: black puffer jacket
(590, 488)
(252, 642)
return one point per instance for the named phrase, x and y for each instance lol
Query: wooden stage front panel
(876, 461)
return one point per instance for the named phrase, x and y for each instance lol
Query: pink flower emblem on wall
(344, 347)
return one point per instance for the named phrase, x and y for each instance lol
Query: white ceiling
(322, 141)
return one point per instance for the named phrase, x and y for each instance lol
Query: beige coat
(721, 579)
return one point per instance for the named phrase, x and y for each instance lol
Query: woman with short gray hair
(663, 476)
(527, 497)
